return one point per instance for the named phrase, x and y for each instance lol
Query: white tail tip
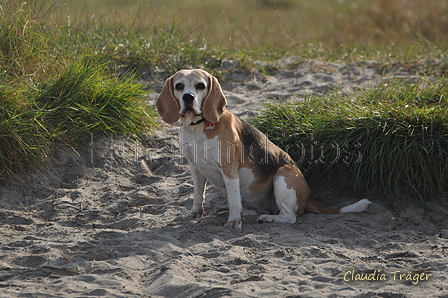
(356, 207)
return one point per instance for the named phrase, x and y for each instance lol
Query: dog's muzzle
(188, 99)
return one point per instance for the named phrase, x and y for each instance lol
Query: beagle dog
(233, 155)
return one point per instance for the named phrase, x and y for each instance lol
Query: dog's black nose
(188, 97)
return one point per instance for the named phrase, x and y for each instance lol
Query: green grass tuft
(392, 138)
(86, 99)
(23, 142)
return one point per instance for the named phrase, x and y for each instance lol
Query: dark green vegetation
(392, 138)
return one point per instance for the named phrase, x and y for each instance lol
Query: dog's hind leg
(291, 193)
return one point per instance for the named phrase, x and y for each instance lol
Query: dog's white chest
(198, 149)
(205, 155)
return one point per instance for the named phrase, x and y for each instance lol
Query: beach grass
(23, 141)
(391, 139)
(66, 109)
(50, 95)
(85, 99)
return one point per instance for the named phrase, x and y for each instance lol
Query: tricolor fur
(233, 155)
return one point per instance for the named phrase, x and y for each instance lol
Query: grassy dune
(61, 62)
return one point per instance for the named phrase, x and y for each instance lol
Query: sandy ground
(110, 221)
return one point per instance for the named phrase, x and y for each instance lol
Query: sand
(110, 220)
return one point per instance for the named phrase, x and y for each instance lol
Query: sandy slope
(111, 222)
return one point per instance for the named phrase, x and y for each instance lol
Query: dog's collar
(208, 125)
(198, 122)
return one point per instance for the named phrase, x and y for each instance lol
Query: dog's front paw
(195, 214)
(265, 218)
(235, 223)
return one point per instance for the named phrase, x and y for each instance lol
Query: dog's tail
(313, 206)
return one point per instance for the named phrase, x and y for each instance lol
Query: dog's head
(191, 93)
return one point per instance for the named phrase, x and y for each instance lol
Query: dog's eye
(179, 86)
(200, 86)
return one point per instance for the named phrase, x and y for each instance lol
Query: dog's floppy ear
(167, 105)
(214, 103)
